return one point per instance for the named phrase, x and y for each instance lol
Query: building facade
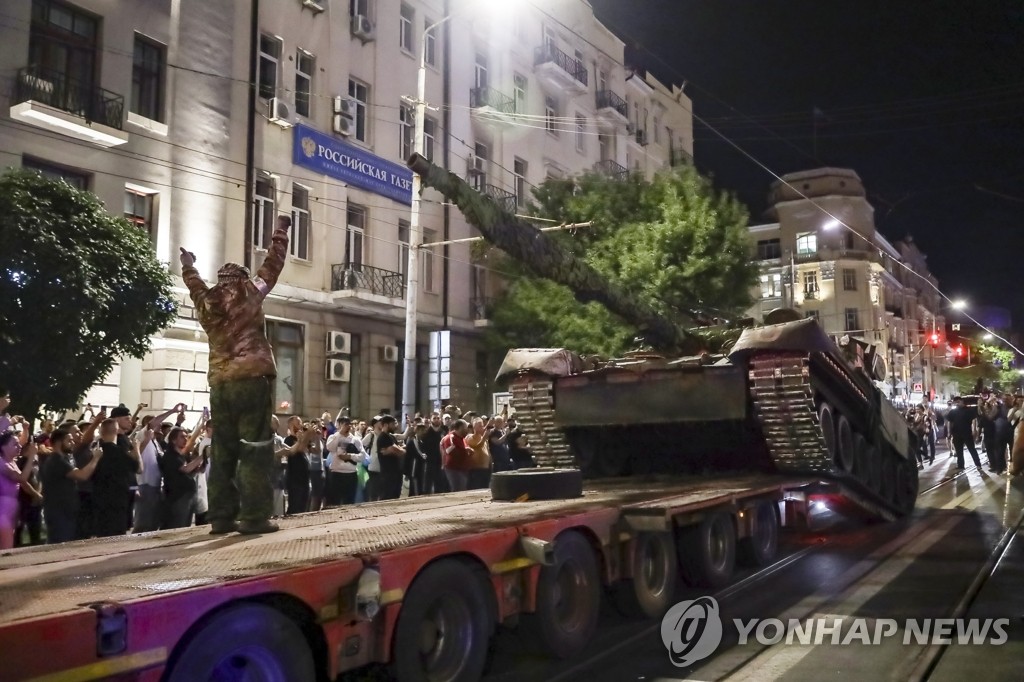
(851, 279)
(207, 120)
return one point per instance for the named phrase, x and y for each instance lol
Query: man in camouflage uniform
(241, 376)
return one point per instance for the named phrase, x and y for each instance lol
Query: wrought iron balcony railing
(606, 99)
(489, 97)
(55, 89)
(679, 157)
(572, 66)
(612, 169)
(503, 198)
(358, 277)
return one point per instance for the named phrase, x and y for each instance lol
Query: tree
(79, 288)
(674, 242)
(991, 366)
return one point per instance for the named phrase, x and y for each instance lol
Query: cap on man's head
(120, 411)
(233, 271)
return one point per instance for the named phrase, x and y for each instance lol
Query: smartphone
(206, 413)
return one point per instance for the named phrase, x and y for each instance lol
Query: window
(849, 279)
(403, 250)
(138, 208)
(852, 320)
(480, 71)
(148, 80)
(356, 232)
(263, 214)
(287, 341)
(430, 42)
(478, 167)
(581, 126)
(551, 115)
(657, 131)
(73, 178)
(298, 244)
(405, 131)
(811, 284)
(519, 171)
(360, 92)
(771, 286)
(427, 264)
(768, 249)
(361, 8)
(813, 315)
(305, 67)
(519, 84)
(405, 23)
(63, 43)
(270, 58)
(806, 244)
(429, 126)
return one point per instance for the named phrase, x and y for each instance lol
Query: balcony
(375, 286)
(491, 106)
(558, 70)
(612, 110)
(611, 169)
(677, 156)
(505, 200)
(51, 100)
(480, 308)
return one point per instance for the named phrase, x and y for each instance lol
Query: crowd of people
(107, 474)
(994, 420)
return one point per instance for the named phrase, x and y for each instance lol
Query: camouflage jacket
(232, 315)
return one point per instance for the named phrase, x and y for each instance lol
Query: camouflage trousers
(240, 476)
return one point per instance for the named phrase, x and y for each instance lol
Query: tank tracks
(533, 399)
(783, 397)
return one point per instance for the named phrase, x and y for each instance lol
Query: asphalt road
(961, 554)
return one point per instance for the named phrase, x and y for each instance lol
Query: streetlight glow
(958, 304)
(831, 224)
(987, 337)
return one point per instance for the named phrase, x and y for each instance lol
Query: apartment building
(853, 281)
(207, 120)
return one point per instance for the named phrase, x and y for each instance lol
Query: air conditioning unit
(389, 353)
(346, 106)
(339, 343)
(279, 112)
(343, 125)
(338, 370)
(476, 164)
(362, 27)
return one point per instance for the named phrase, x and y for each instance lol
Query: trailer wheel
(707, 551)
(759, 549)
(655, 582)
(245, 642)
(827, 424)
(444, 626)
(873, 468)
(536, 484)
(568, 597)
(846, 454)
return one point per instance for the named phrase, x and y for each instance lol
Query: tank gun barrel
(548, 258)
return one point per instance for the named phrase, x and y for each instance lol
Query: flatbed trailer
(418, 583)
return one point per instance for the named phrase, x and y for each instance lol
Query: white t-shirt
(336, 445)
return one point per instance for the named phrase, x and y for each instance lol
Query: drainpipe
(250, 132)
(446, 120)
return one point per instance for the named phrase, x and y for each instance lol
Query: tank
(784, 397)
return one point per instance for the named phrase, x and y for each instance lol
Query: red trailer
(418, 583)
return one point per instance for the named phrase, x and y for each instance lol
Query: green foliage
(675, 240)
(78, 289)
(991, 365)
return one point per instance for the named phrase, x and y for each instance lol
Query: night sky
(923, 99)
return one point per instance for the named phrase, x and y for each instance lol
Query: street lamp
(958, 304)
(412, 290)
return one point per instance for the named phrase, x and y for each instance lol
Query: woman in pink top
(12, 478)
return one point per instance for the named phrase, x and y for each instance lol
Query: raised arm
(196, 286)
(266, 276)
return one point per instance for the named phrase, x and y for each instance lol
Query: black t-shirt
(388, 463)
(177, 483)
(83, 455)
(297, 468)
(113, 473)
(431, 442)
(60, 494)
(960, 419)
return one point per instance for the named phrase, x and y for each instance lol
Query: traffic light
(934, 339)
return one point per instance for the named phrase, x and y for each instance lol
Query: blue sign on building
(351, 164)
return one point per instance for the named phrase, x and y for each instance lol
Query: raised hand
(187, 258)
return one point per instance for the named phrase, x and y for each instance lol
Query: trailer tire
(444, 626)
(655, 582)
(707, 551)
(536, 484)
(246, 634)
(759, 548)
(827, 424)
(568, 599)
(846, 455)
